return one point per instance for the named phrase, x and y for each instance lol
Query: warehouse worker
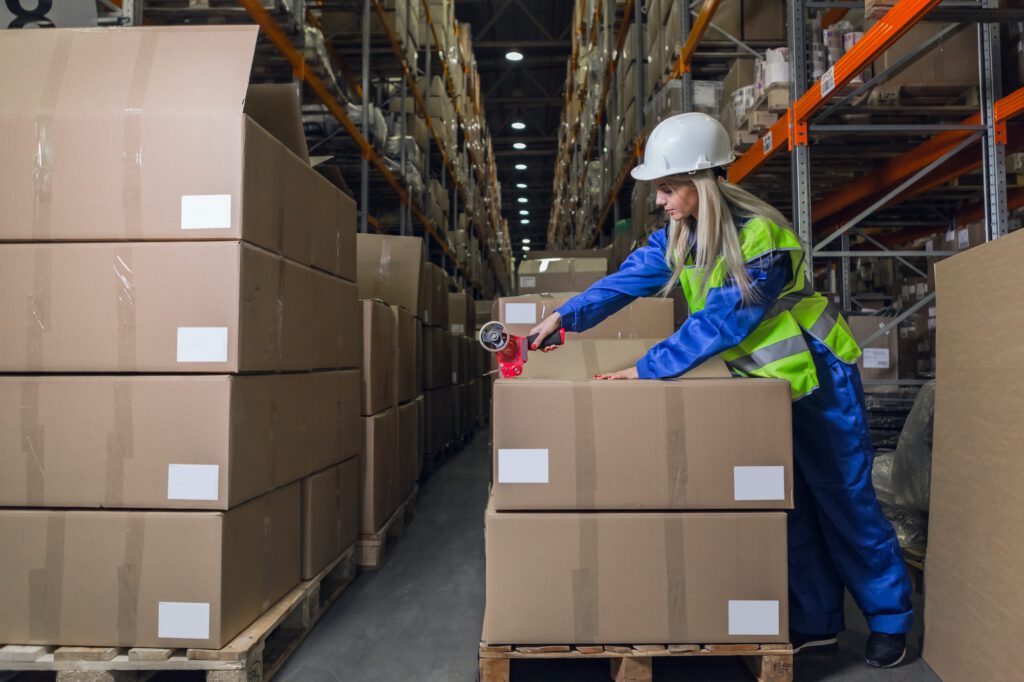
(742, 271)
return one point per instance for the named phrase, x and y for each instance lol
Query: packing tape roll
(131, 138)
(585, 585)
(120, 444)
(129, 579)
(46, 584)
(676, 458)
(42, 169)
(33, 444)
(675, 570)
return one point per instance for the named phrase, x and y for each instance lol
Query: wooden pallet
(913, 558)
(255, 655)
(767, 662)
(889, 95)
(372, 548)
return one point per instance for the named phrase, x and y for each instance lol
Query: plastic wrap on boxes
(912, 465)
(911, 526)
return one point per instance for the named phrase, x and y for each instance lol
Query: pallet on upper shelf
(932, 94)
(635, 663)
(255, 655)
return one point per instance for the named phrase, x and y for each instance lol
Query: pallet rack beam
(693, 38)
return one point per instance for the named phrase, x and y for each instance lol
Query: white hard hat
(684, 143)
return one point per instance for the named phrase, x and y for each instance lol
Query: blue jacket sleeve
(644, 273)
(723, 323)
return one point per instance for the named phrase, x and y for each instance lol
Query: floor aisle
(419, 617)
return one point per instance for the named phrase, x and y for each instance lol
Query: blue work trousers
(838, 534)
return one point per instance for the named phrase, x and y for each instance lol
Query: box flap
(275, 106)
(176, 70)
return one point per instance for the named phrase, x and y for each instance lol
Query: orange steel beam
(696, 34)
(267, 24)
(897, 21)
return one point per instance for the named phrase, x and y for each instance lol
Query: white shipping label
(922, 289)
(828, 81)
(193, 482)
(528, 281)
(458, 329)
(876, 358)
(522, 465)
(202, 344)
(183, 620)
(205, 211)
(521, 313)
(766, 143)
(963, 239)
(753, 617)
(759, 483)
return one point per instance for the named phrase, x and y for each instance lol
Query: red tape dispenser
(512, 350)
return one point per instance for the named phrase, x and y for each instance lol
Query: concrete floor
(419, 617)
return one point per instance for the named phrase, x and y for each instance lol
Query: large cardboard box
(644, 318)
(163, 307)
(435, 283)
(560, 274)
(880, 359)
(330, 515)
(379, 369)
(350, 324)
(975, 598)
(657, 578)
(380, 471)
(461, 313)
(437, 357)
(407, 361)
(146, 578)
(409, 448)
(390, 269)
(685, 453)
(170, 442)
(136, 125)
(953, 61)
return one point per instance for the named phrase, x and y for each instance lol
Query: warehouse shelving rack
(288, 52)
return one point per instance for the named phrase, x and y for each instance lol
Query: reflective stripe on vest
(777, 347)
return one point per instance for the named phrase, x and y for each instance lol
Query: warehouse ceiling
(528, 91)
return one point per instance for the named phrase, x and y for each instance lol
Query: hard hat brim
(643, 172)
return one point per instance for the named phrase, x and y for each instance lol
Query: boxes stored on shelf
(167, 307)
(409, 447)
(954, 61)
(974, 597)
(406, 355)
(437, 360)
(380, 489)
(435, 288)
(146, 578)
(170, 442)
(644, 318)
(555, 577)
(390, 269)
(379, 369)
(880, 359)
(684, 453)
(460, 313)
(135, 124)
(560, 274)
(330, 515)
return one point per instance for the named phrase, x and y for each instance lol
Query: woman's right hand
(548, 326)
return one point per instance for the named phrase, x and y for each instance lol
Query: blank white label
(205, 211)
(759, 483)
(183, 620)
(521, 313)
(522, 465)
(193, 482)
(528, 281)
(876, 358)
(753, 617)
(963, 239)
(202, 344)
(458, 329)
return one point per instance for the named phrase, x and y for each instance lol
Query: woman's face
(679, 202)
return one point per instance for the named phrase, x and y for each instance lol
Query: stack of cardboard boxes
(560, 274)
(636, 512)
(179, 421)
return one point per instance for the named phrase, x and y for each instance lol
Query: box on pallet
(460, 313)
(170, 442)
(880, 359)
(220, 306)
(380, 489)
(379, 370)
(409, 448)
(954, 61)
(146, 578)
(228, 178)
(330, 514)
(391, 269)
(407, 361)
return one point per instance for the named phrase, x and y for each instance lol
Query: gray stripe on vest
(768, 354)
(823, 326)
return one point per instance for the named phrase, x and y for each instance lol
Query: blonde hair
(716, 231)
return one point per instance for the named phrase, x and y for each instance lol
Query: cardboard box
(437, 357)
(435, 283)
(379, 370)
(406, 355)
(409, 448)
(390, 269)
(380, 471)
(684, 454)
(644, 318)
(560, 274)
(482, 313)
(170, 442)
(461, 314)
(880, 359)
(953, 61)
(582, 359)
(330, 515)
(134, 124)
(658, 578)
(146, 578)
(975, 596)
(350, 324)
(161, 307)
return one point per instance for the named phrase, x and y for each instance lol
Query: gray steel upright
(993, 152)
(686, 20)
(638, 24)
(364, 169)
(801, 154)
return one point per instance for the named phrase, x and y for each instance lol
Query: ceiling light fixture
(522, 200)
(526, 240)
(524, 212)
(519, 145)
(518, 125)
(520, 166)
(526, 248)
(514, 56)
(520, 185)
(524, 221)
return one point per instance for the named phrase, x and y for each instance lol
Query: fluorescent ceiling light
(520, 185)
(518, 125)
(514, 56)
(521, 200)
(524, 221)
(526, 240)
(526, 248)
(523, 211)
(519, 145)
(520, 166)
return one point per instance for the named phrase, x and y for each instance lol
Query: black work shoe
(885, 651)
(801, 641)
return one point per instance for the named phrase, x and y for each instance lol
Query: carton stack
(560, 274)
(180, 358)
(635, 511)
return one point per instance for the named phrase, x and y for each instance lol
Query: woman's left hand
(629, 373)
